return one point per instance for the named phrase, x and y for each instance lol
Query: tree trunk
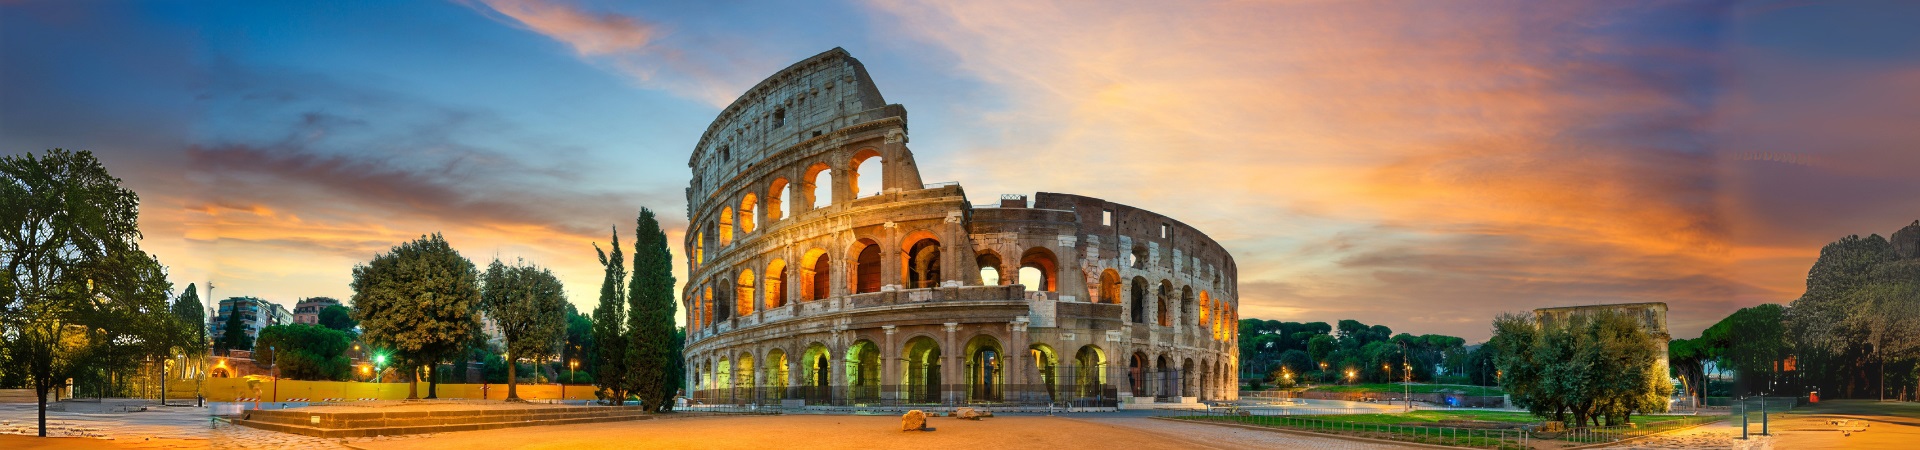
(512, 394)
(433, 383)
(41, 389)
(413, 384)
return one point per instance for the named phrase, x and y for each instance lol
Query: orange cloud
(634, 48)
(590, 34)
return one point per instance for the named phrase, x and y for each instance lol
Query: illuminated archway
(866, 266)
(986, 369)
(777, 200)
(818, 188)
(1043, 265)
(815, 273)
(776, 286)
(744, 293)
(920, 375)
(863, 371)
(923, 262)
(868, 169)
(748, 205)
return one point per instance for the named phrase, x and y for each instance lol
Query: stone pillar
(891, 358)
(947, 367)
(837, 366)
(1019, 361)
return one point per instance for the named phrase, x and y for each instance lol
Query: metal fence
(1494, 438)
(1447, 399)
(1617, 433)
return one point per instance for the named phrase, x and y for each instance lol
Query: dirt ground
(829, 432)
(18, 442)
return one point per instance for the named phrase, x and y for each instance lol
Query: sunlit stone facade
(906, 293)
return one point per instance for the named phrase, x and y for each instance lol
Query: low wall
(232, 389)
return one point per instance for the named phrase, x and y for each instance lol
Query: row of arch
(815, 185)
(724, 299)
(747, 291)
(984, 372)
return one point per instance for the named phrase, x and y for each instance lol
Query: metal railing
(1617, 433)
(1494, 438)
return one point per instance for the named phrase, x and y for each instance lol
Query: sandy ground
(427, 405)
(864, 432)
(1893, 426)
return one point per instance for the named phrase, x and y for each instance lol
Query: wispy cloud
(709, 71)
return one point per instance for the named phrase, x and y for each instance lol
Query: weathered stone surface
(914, 420)
(780, 280)
(966, 413)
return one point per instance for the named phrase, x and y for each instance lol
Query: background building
(307, 311)
(254, 313)
(808, 284)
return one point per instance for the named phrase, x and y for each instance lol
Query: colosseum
(807, 287)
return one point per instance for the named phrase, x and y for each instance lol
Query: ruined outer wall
(779, 294)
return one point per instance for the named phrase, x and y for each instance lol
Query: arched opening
(699, 249)
(723, 379)
(985, 370)
(989, 269)
(866, 266)
(818, 191)
(1165, 300)
(863, 372)
(1046, 364)
(706, 305)
(815, 271)
(1138, 259)
(1138, 302)
(776, 284)
(867, 173)
(1186, 302)
(726, 226)
(724, 299)
(923, 264)
(1043, 276)
(744, 292)
(921, 374)
(1110, 286)
(743, 382)
(776, 369)
(1090, 373)
(1206, 309)
(1137, 368)
(748, 204)
(817, 370)
(777, 200)
(1165, 378)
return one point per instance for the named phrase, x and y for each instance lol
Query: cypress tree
(650, 315)
(609, 327)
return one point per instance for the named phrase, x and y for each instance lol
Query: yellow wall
(229, 389)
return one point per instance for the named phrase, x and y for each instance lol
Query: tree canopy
(305, 352)
(1592, 365)
(527, 304)
(338, 318)
(419, 301)
(78, 298)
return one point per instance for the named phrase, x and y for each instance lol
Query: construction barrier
(233, 389)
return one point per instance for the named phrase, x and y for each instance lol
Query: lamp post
(276, 372)
(572, 367)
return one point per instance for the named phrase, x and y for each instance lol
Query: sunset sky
(1419, 164)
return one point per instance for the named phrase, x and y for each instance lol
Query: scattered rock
(966, 413)
(914, 420)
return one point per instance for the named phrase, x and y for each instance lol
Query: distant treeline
(1855, 333)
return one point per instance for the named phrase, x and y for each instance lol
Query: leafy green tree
(1749, 341)
(1592, 365)
(579, 340)
(421, 301)
(650, 309)
(528, 304)
(1320, 347)
(69, 234)
(609, 355)
(338, 318)
(306, 352)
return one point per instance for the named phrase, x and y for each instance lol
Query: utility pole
(1407, 375)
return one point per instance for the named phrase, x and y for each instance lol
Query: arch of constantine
(806, 285)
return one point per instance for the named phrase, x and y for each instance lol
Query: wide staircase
(368, 424)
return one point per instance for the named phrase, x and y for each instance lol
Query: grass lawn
(1417, 388)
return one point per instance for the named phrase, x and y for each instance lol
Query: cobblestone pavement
(116, 419)
(234, 437)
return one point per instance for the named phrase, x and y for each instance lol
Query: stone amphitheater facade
(906, 293)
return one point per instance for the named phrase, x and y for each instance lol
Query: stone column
(891, 358)
(837, 366)
(1018, 360)
(947, 367)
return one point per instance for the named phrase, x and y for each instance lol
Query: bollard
(1763, 417)
(1743, 420)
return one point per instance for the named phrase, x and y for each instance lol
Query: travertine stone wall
(775, 285)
